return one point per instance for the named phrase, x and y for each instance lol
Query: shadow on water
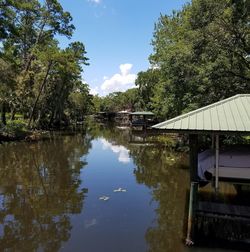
(40, 189)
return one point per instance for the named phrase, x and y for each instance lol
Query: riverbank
(18, 130)
(29, 136)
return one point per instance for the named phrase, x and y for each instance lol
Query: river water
(99, 190)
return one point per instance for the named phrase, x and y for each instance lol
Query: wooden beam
(193, 157)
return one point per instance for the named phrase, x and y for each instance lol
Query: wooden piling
(191, 213)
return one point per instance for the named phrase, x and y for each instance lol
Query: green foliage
(39, 79)
(96, 104)
(201, 55)
(147, 82)
(15, 128)
(238, 140)
(80, 102)
(118, 101)
(166, 140)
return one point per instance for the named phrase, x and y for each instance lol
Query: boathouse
(227, 117)
(230, 116)
(142, 119)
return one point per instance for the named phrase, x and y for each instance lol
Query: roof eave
(202, 132)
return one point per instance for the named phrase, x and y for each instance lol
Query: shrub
(15, 128)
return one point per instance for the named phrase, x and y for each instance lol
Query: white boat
(234, 164)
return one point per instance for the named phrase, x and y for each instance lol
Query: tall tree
(147, 82)
(43, 75)
(202, 53)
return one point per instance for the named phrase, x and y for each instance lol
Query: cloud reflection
(121, 150)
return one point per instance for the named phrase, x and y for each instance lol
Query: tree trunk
(40, 92)
(51, 118)
(13, 112)
(58, 88)
(3, 113)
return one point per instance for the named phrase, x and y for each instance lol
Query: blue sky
(117, 36)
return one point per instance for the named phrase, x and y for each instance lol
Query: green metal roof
(142, 113)
(229, 115)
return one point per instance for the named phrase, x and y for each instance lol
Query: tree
(6, 87)
(118, 101)
(80, 102)
(43, 75)
(7, 17)
(147, 82)
(202, 53)
(96, 101)
(61, 76)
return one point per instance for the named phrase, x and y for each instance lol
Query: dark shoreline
(28, 136)
(38, 135)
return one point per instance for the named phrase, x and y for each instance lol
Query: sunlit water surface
(58, 194)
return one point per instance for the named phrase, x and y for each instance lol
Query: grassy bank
(16, 130)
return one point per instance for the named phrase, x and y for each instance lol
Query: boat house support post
(193, 164)
(212, 144)
(191, 213)
(216, 162)
(144, 123)
(193, 157)
(130, 119)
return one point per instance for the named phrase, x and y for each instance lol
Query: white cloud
(95, 1)
(125, 68)
(123, 153)
(119, 81)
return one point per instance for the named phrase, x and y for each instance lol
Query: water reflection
(43, 203)
(40, 188)
(164, 171)
(123, 153)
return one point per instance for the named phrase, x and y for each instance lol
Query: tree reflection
(169, 182)
(165, 172)
(39, 189)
